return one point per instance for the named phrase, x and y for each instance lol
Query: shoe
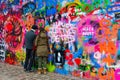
(25, 70)
(39, 71)
(44, 70)
(31, 70)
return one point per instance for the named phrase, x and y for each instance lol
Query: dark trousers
(29, 59)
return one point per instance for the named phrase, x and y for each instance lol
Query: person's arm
(35, 42)
(48, 43)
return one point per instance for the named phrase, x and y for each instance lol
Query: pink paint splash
(117, 74)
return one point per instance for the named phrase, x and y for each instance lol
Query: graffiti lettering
(108, 47)
(87, 30)
(108, 60)
(105, 23)
(104, 75)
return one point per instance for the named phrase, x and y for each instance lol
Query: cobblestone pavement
(10, 72)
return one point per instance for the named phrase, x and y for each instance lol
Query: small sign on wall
(117, 16)
(2, 50)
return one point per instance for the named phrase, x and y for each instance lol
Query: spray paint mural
(88, 29)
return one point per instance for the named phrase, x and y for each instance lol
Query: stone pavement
(11, 72)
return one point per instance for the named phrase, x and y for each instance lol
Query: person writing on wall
(42, 50)
(29, 44)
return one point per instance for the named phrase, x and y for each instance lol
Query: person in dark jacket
(29, 44)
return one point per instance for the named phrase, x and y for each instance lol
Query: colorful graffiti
(28, 8)
(14, 33)
(88, 29)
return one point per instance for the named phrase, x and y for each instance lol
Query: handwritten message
(60, 31)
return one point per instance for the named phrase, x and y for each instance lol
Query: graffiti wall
(87, 31)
